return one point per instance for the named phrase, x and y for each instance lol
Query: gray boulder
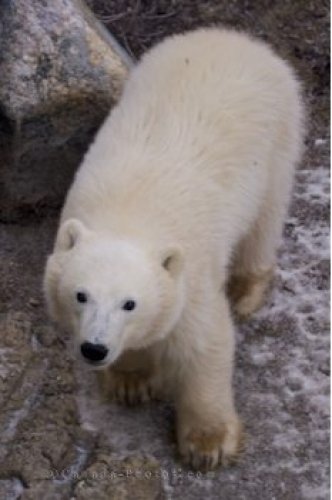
(60, 74)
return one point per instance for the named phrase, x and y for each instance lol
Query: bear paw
(132, 387)
(247, 293)
(205, 450)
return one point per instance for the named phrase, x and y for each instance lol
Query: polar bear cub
(180, 198)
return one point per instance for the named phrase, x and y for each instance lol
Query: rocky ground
(59, 441)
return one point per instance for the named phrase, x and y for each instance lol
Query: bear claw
(204, 450)
(129, 388)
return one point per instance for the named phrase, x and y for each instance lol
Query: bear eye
(129, 305)
(81, 297)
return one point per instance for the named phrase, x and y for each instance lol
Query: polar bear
(181, 197)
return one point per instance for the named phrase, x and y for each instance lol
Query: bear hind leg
(255, 257)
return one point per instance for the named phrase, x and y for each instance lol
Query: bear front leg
(132, 379)
(208, 427)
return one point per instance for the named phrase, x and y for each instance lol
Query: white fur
(195, 164)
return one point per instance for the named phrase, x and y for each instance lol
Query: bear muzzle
(93, 352)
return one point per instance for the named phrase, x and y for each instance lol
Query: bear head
(112, 294)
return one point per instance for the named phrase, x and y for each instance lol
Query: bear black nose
(94, 352)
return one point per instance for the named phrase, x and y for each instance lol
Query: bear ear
(173, 260)
(69, 234)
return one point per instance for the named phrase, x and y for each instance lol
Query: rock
(11, 488)
(47, 491)
(135, 477)
(15, 356)
(60, 73)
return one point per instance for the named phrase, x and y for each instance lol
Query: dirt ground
(58, 441)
